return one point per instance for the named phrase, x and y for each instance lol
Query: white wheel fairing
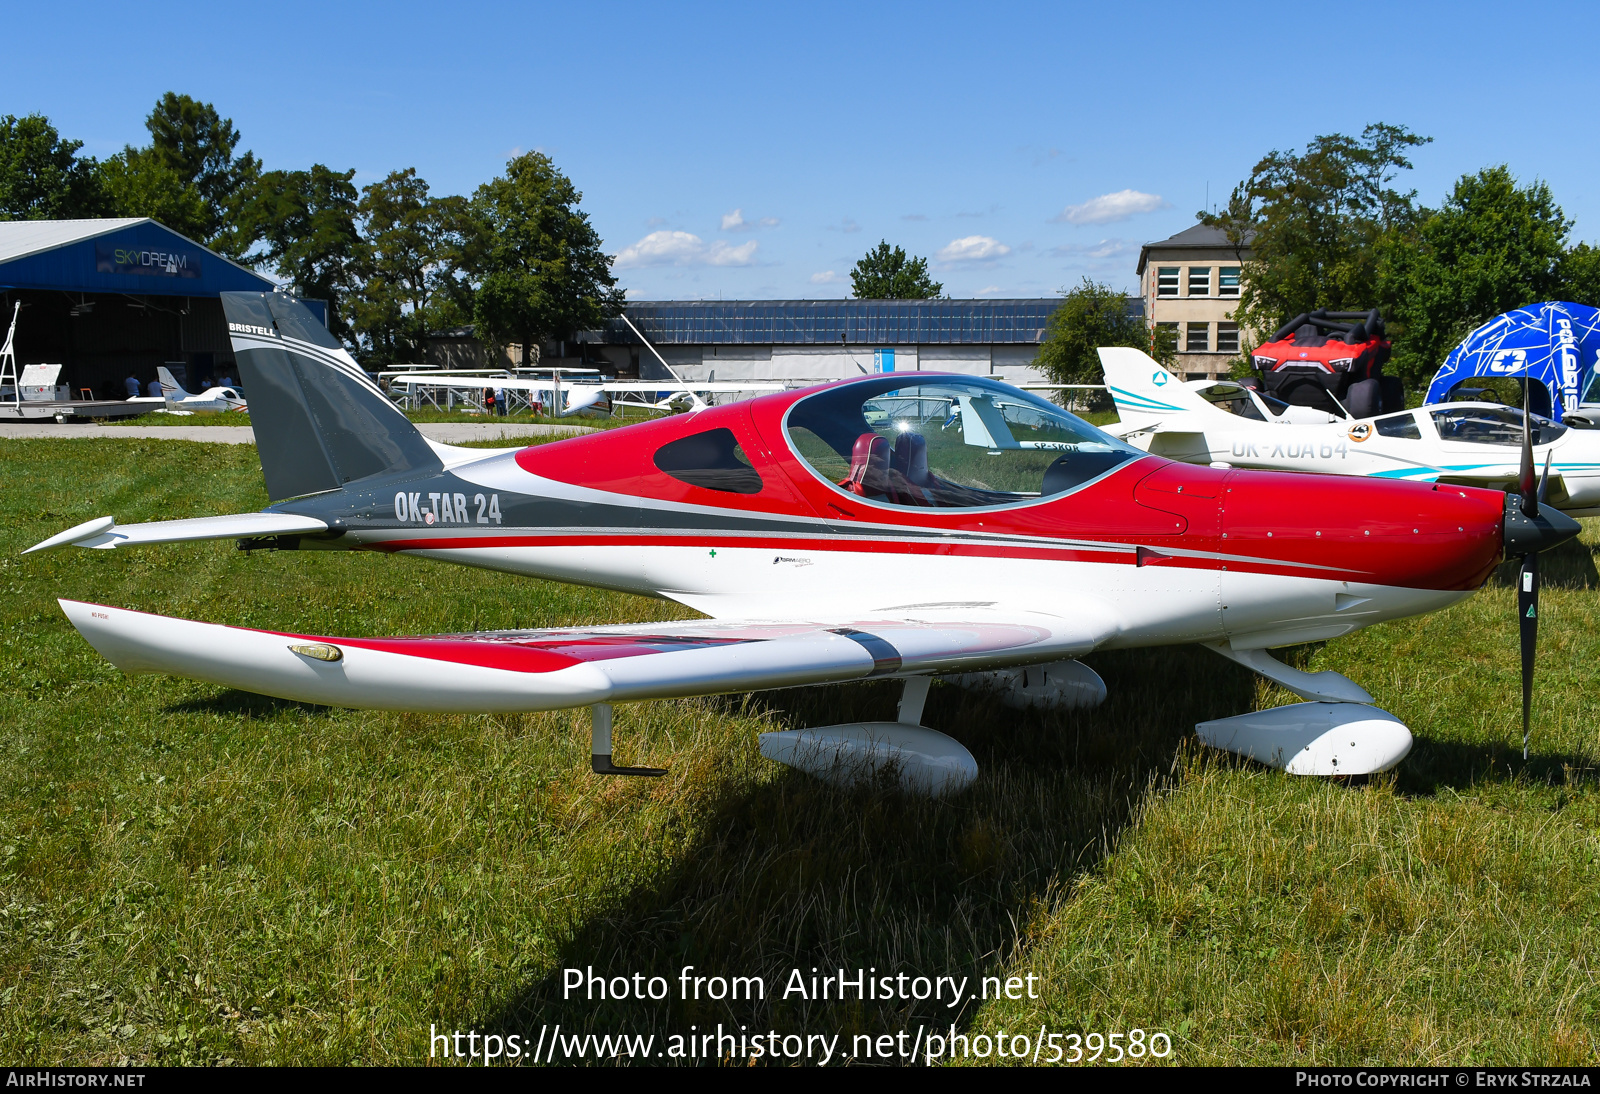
(1314, 738)
(921, 761)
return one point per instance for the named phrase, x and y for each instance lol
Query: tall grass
(192, 874)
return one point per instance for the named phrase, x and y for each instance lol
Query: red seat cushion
(869, 467)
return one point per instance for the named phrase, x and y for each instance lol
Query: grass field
(195, 875)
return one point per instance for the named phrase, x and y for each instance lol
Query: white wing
(551, 669)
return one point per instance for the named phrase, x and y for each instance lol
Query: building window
(1199, 340)
(1167, 281)
(1199, 280)
(1227, 338)
(1228, 281)
(1166, 337)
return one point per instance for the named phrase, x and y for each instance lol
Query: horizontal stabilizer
(104, 533)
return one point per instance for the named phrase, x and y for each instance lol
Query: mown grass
(192, 874)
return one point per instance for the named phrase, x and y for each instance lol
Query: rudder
(320, 422)
(170, 388)
(1144, 391)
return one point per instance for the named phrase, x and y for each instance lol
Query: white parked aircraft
(562, 399)
(1224, 424)
(214, 398)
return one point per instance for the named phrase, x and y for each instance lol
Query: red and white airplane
(906, 526)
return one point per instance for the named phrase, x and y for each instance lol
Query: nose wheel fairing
(1314, 738)
(1338, 732)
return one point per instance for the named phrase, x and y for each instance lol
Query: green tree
(409, 265)
(187, 177)
(1090, 316)
(137, 184)
(888, 273)
(305, 221)
(537, 261)
(1580, 275)
(1312, 222)
(42, 177)
(1493, 246)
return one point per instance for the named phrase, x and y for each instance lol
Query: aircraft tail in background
(169, 385)
(1147, 394)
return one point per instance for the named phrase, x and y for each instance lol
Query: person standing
(500, 401)
(131, 386)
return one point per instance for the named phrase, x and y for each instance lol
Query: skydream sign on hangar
(111, 258)
(129, 255)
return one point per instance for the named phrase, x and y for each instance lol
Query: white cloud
(973, 249)
(826, 277)
(684, 249)
(735, 222)
(1105, 248)
(723, 254)
(1108, 208)
(846, 226)
(987, 290)
(661, 249)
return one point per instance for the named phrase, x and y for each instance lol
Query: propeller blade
(1544, 478)
(1528, 626)
(1530, 507)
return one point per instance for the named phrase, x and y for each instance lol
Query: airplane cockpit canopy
(948, 442)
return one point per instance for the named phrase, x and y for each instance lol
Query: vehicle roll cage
(1369, 324)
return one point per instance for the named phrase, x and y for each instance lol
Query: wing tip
(87, 530)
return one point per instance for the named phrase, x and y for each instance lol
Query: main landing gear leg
(600, 747)
(912, 700)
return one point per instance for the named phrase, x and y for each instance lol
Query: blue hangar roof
(883, 322)
(133, 255)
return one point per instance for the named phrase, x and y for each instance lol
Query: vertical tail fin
(169, 384)
(320, 422)
(1146, 393)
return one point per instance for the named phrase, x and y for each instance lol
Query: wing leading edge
(509, 671)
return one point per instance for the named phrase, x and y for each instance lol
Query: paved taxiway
(443, 432)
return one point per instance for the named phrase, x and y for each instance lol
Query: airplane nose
(1411, 535)
(1524, 535)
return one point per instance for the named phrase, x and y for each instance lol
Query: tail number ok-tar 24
(447, 508)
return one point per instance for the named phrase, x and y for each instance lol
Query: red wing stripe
(526, 654)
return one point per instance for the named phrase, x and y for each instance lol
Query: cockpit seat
(910, 481)
(869, 467)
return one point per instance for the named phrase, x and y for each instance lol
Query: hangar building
(810, 340)
(111, 298)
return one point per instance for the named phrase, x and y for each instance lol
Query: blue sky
(756, 151)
